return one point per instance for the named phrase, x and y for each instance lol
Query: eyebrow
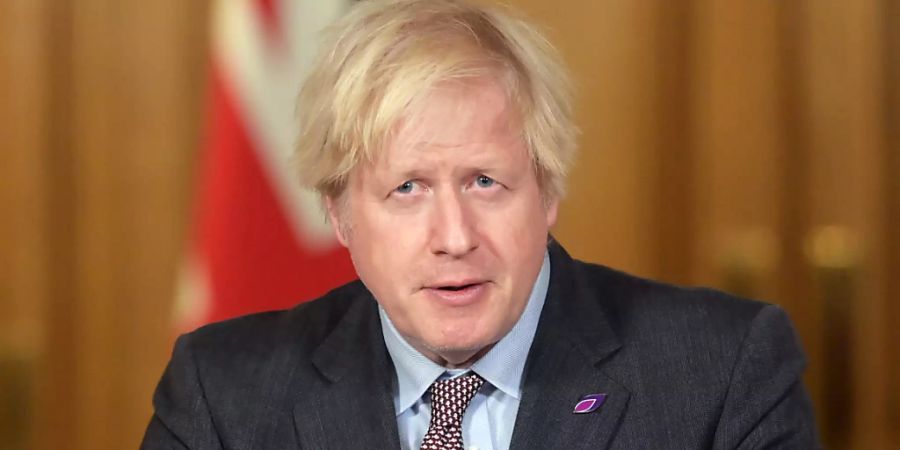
(419, 173)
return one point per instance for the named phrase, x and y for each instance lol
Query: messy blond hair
(385, 55)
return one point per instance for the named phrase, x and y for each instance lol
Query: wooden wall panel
(23, 124)
(847, 194)
(674, 203)
(164, 118)
(890, 28)
(738, 138)
(124, 94)
(794, 280)
(57, 406)
(612, 50)
(23, 249)
(99, 374)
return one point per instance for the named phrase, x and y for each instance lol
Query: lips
(457, 293)
(455, 287)
(455, 284)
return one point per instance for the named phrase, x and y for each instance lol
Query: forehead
(455, 115)
(455, 129)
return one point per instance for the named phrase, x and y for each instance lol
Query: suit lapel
(565, 363)
(351, 404)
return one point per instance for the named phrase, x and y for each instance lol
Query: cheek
(383, 256)
(526, 224)
(521, 243)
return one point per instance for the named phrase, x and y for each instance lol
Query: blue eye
(405, 188)
(484, 181)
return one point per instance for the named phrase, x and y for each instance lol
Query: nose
(453, 231)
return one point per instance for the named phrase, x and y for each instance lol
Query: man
(439, 134)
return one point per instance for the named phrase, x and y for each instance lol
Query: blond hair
(385, 55)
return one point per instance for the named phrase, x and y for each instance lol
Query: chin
(457, 347)
(458, 357)
(462, 346)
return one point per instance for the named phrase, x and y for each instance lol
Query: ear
(552, 208)
(336, 217)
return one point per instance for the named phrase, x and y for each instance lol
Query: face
(448, 227)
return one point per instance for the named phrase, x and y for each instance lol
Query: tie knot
(449, 400)
(454, 394)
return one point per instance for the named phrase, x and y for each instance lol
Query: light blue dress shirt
(489, 419)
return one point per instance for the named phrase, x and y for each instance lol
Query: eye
(484, 181)
(405, 188)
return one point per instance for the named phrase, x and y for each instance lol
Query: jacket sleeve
(181, 418)
(766, 406)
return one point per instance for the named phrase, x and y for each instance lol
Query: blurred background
(749, 145)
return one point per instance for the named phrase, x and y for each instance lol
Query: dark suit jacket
(683, 369)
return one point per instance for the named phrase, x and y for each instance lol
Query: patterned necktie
(449, 400)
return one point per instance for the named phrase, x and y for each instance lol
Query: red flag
(258, 242)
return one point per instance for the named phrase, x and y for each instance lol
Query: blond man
(439, 134)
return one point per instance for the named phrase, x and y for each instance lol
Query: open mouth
(457, 288)
(463, 294)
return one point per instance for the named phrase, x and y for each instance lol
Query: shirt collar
(502, 366)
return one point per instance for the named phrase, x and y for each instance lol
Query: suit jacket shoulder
(259, 381)
(238, 345)
(681, 367)
(650, 315)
